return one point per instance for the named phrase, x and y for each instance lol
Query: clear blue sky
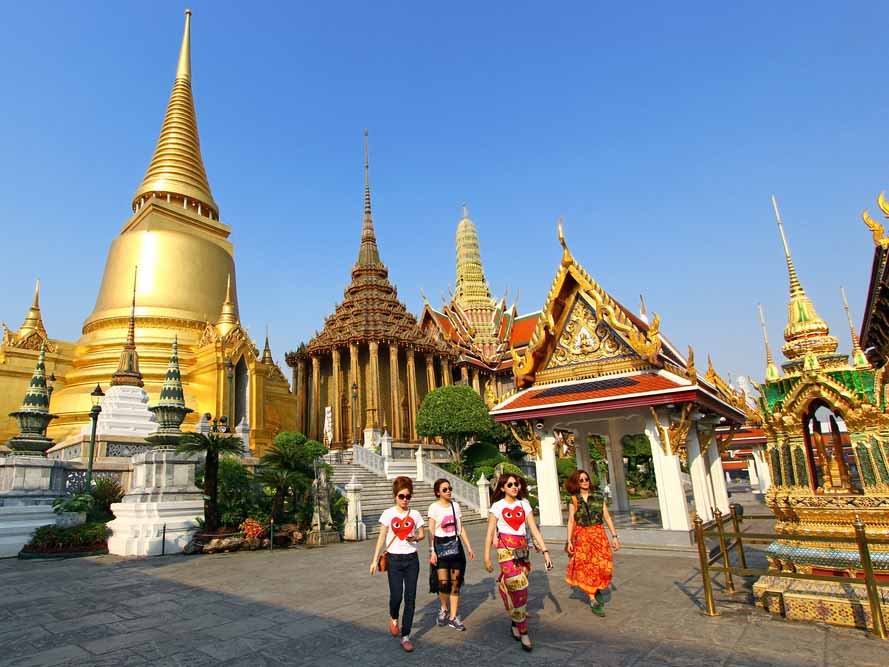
(658, 130)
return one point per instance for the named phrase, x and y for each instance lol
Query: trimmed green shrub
(52, 539)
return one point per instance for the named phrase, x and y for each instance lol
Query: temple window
(831, 459)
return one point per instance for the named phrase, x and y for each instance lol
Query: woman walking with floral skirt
(511, 519)
(590, 563)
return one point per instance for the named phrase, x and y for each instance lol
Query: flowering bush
(251, 528)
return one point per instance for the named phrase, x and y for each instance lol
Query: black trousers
(404, 569)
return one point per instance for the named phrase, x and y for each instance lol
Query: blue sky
(658, 130)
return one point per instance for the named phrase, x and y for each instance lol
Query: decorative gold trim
(673, 437)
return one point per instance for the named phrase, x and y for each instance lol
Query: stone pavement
(319, 606)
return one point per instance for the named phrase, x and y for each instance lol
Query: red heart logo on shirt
(514, 518)
(402, 527)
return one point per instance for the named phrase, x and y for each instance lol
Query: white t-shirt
(444, 518)
(511, 517)
(401, 526)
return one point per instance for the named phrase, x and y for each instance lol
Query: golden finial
(795, 287)
(876, 229)
(177, 168)
(33, 320)
(131, 331)
(128, 373)
(566, 254)
(367, 210)
(465, 211)
(883, 204)
(772, 372)
(228, 316)
(859, 359)
(691, 372)
(643, 309)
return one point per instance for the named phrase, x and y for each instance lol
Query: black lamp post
(354, 413)
(96, 396)
(217, 425)
(230, 374)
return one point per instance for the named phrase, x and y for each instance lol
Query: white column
(420, 472)
(354, 529)
(582, 451)
(670, 494)
(762, 468)
(751, 471)
(697, 466)
(386, 446)
(617, 474)
(548, 496)
(484, 495)
(717, 477)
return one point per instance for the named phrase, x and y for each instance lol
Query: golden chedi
(827, 434)
(185, 289)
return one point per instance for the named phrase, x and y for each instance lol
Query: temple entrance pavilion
(592, 368)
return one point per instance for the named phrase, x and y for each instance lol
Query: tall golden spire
(859, 359)
(177, 168)
(805, 332)
(772, 372)
(472, 289)
(33, 320)
(368, 253)
(127, 373)
(228, 317)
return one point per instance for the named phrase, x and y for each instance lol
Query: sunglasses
(512, 485)
(404, 496)
(584, 479)
(444, 489)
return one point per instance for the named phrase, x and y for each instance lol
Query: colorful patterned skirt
(513, 580)
(591, 566)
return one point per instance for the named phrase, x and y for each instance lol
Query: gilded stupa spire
(368, 253)
(806, 333)
(177, 169)
(859, 359)
(33, 320)
(228, 317)
(472, 289)
(772, 372)
(127, 373)
(267, 350)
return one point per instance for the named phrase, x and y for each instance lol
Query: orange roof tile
(522, 329)
(588, 390)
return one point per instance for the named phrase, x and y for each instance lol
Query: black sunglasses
(445, 489)
(512, 485)
(583, 479)
(404, 496)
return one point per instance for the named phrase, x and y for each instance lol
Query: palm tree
(288, 467)
(213, 445)
(282, 481)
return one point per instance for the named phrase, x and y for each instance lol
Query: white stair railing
(369, 460)
(464, 492)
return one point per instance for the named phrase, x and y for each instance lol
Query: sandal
(515, 633)
(393, 628)
(526, 647)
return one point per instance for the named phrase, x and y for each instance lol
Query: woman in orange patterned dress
(590, 564)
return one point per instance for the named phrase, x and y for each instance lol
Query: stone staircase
(376, 494)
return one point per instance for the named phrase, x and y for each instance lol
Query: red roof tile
(522, 329)
(587, 390)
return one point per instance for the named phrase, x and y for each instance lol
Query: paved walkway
(319, 606)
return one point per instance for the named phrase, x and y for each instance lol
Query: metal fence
(733, 541)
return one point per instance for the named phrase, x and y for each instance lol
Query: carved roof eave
(877, 294)
(31, 341)
(571, 278)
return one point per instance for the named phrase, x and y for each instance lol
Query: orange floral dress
(591, 566)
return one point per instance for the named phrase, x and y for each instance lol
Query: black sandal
(512, 632)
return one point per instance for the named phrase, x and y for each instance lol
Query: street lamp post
(96, 397)
(230, 374)
(219, 425)
(354, 414)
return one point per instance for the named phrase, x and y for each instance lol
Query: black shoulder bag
(448, 547)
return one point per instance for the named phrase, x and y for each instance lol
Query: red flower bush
(251, 528)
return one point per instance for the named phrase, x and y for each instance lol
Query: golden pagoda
(481, 328)
(827, 445)
(185, 289)
(364, 388)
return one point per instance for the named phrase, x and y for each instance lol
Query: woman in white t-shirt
(400, 530)
(447, 553)
(511, 518)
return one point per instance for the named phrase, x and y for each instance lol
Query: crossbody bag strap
(456, 523)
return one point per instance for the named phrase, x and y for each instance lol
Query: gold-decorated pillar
(373, 391)
(476, 384)
(445, 372)
(430, 373)
(354, 406)
(412, 400)
(337, 397)
(394, 393)
(301, 396)
(464, 375)
(314, 423)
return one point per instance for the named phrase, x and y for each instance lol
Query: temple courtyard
(319, 606)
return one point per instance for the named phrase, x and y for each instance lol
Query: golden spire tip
(183, 68)
(36, 303)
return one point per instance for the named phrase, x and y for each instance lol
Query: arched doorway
(832, 466)
(242, 381)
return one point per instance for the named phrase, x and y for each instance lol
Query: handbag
(448, 547)
(383, 560)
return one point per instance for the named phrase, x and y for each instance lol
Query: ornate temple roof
(472, 289)
(177, 167)
(32, 334)
(371, 310)
(875, 324)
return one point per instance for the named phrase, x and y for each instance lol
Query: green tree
(457, 415)
(289, 468)
(212, 446)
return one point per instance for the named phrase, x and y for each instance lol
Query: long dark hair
(500, 493)
(572, 484)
